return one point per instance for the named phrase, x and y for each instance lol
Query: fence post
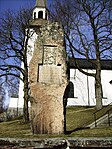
(108, 118)
(95, 119)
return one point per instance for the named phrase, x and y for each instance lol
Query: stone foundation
(56, 143)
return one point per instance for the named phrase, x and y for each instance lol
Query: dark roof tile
(83, 63)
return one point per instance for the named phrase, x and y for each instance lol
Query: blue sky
(16, 4)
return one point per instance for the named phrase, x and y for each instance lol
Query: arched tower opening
(40, 14)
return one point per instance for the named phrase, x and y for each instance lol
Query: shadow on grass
(76, 129)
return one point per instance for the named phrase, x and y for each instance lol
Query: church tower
(40, 10)
(47, 73)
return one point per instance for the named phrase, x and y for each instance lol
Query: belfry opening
(40, 14)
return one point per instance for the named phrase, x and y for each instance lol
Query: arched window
(110, 82)
(69, 91)
(40, 14)
(34, 15)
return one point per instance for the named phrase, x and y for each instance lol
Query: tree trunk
(26, 97)
(26, 90)
(25, 80)
(98, 87)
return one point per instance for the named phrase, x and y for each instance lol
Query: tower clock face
(49, 55)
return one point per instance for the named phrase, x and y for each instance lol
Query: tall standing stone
(48, 78)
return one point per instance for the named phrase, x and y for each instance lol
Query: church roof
(41, 3)
(84, 64)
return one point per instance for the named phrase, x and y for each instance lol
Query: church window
(40, 14)
(69, 91)
(110, 82)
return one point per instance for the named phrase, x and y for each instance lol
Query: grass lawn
(76, 117)
(79, 116)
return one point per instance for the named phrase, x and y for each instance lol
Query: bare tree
(88, 33)
(2, 93)
(14, 35)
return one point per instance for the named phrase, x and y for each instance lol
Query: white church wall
(15, 102)
(84, 88)
(106, 76)
(31, 44)
(21, 92)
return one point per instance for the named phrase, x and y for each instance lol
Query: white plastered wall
(31, 44)
(84, 93)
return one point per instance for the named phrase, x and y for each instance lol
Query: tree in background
(88, 34)
(14, 35)
(2, 93)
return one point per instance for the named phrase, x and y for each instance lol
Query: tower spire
(41, 3)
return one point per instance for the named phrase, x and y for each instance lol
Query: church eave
(84, 64)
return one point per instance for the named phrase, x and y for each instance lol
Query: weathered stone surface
(55, 143)
(48, 80)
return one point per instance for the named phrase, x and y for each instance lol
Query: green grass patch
(94, 132)
(15, 128)
(77, 117)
